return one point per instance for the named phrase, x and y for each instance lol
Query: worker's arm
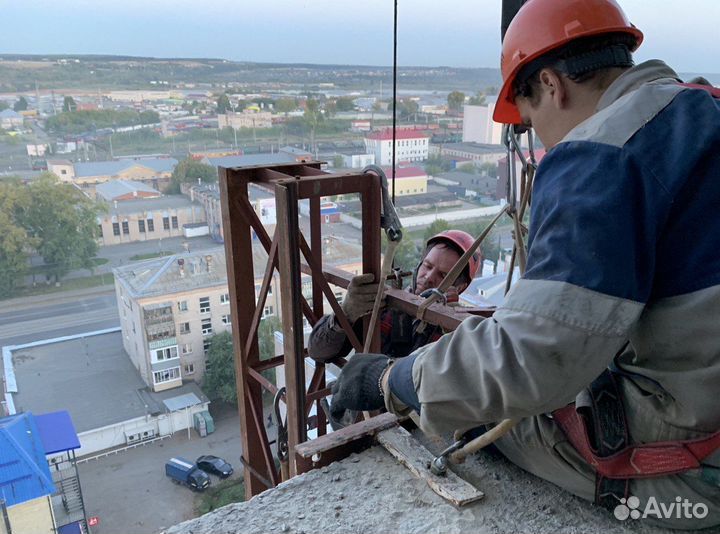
(328, 340)
(596, 218)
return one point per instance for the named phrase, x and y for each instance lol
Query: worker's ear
(553, 85)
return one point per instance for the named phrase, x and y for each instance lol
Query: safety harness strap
(646, 460)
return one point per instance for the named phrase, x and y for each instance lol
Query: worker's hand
(360, 296)
(359, 385)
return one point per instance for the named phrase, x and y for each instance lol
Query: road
(60, 314)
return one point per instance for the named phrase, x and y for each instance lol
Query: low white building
(245, 119)
(358, 161)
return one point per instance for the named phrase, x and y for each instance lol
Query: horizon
(322, 32)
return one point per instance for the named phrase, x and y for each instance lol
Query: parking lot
(129, 491)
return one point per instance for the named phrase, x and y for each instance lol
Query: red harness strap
(636, 461)
(714, 91)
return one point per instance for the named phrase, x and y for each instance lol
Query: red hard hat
(544, 25)
(460, 240)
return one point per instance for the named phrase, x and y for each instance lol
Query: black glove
(358, 386)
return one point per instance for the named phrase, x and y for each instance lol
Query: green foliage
(468, 168)
(338, 161)
(69, 104)
(478, 99)
(219, 381)
(62, 222)
(220, 376)
(218, 495)
(437, 226)
(489, 168)
(345, 103)
(286, 105)
(406, 107)
(21, 104)
(266, 336)
(455, 100)
(14, 241)
(188, 171)
(74, 122)
(3, 105)
(223, 104)
(437, 165)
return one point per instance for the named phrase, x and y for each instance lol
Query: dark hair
(580, 60)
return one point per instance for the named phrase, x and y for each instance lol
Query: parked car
(215, 465)
(183, 471)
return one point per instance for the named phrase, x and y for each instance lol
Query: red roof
(386, 135)
(405, 172)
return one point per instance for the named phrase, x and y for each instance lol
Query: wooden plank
(400, 443)
(346, 435)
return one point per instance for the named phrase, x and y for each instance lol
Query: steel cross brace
(292, 254)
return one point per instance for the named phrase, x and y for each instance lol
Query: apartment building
(170, 307)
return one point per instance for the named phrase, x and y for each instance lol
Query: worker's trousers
(540, 447)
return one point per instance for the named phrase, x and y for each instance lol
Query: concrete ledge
(371, 492)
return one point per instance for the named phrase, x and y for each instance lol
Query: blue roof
(111, 168)
(24, 472)
(9, 114)
(57, 432)
(250, 160)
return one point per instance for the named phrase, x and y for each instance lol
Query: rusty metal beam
(241, 287)
(288, 228)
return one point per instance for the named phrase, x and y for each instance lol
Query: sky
(457, 33)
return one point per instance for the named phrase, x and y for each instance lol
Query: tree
(21, 104)
(188, 171)
(407, 107)
(14, 241)
(69, 104)
(266, 336)
(489, 168)
(468, 168)
(478, 99)
(338, 161)
(455, 100)
(286, 105)
(437, 226)
(3, 105)
(345, 103)
(223, 104)
(219, 382)
(63, 221)
(312, 118)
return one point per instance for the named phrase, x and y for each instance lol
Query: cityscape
(120, 400)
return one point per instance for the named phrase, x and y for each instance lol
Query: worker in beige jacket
(608, 349)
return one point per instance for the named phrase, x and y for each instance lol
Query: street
(29, 319)
(130, 492)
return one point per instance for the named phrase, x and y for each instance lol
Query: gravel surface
(370, 492)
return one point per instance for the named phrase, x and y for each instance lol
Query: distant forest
(22, 72)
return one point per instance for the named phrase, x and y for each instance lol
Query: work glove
(359, 385)
(360, 296)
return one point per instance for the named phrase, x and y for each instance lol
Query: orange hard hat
(459, 240)
(541, 26)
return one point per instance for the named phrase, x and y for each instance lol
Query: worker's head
(558, 58)
(442, 252)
